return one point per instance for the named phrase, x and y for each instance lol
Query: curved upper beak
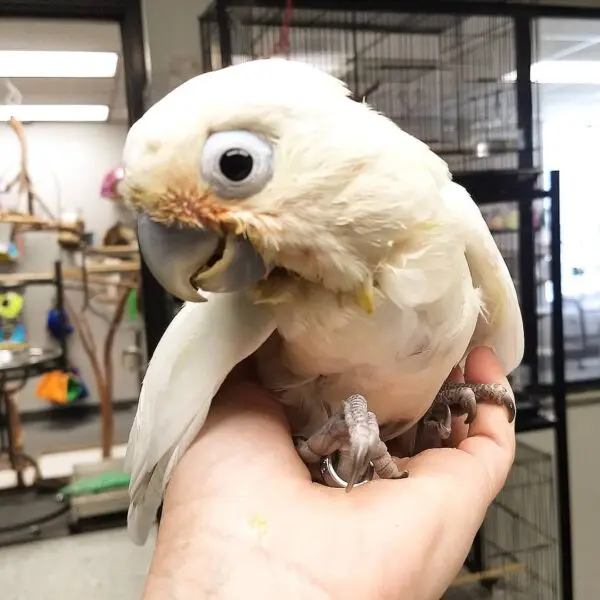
(185, 259)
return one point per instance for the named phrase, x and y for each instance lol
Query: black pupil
(236, 164)
(5, 302)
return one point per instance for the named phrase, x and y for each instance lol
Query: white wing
(501, 325)
(198, 350)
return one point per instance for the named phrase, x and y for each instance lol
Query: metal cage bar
(531, 8)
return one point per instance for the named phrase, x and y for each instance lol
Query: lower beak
(187, 259)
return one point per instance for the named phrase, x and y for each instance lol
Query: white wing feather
(201, 346)
(501, 325)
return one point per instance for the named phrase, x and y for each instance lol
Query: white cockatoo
(309, 231)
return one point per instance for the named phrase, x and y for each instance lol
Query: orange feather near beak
(189, 208)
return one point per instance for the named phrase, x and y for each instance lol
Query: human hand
(242, 518)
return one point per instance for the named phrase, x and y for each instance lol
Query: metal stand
(14, 373)
(17, 459)
(560, 397)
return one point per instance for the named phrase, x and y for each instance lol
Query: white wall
(172, 35)
(571, 146)
(67, 165)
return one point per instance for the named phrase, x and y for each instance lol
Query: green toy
(132, 305)
(96, 484)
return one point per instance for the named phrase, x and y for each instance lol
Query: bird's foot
(458, 399)
(353, 435)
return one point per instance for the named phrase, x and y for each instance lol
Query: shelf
(43, 278)
(113, 250)
(30, 364)
(8, 280)
(33, 222)
(532, 415)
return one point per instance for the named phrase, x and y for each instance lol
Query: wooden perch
(102, 367)
(98, 280)
(103, 373)
(493, 573)
(125, 266)
(31, 222)
(74, 273)
(23, 178)
(105, 299)
(113, 250)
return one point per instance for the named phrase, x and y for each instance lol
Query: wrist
(196, 561)
(215, 569)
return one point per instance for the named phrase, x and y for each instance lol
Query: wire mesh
(447, 79)
(519, 537)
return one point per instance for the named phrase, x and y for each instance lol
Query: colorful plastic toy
(111, 184)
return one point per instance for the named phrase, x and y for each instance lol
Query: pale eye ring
(237, 163)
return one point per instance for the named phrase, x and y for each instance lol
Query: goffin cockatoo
(310, 231)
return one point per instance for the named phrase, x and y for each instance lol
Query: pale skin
(269, 532)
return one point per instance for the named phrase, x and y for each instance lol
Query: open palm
(242, 518)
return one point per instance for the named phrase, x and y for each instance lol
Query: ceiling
(50, 34)
(569, 40)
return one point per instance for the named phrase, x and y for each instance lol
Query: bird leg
(458, 399)
(353, 433)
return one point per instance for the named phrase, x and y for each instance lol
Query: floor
(103, 565)
(94, 566)
(63, 433)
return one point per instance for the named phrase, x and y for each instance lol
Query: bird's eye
(237, 164)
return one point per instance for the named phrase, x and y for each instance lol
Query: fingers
(491, 438)
(482, 459)
(450, 489)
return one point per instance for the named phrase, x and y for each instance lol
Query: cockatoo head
(269, 169)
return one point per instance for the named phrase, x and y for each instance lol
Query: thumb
(491, 437)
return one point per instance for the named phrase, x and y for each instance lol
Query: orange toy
(53, 387)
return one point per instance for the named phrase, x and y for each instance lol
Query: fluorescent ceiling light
(562, 72)
(63, 113)
(49, 63)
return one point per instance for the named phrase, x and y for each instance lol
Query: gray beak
(185, 259)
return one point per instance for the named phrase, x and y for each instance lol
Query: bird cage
(519, 541)
(450, 80)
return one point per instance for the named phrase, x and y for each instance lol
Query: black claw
(510, 405)
(471, 414)
(465, 400)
